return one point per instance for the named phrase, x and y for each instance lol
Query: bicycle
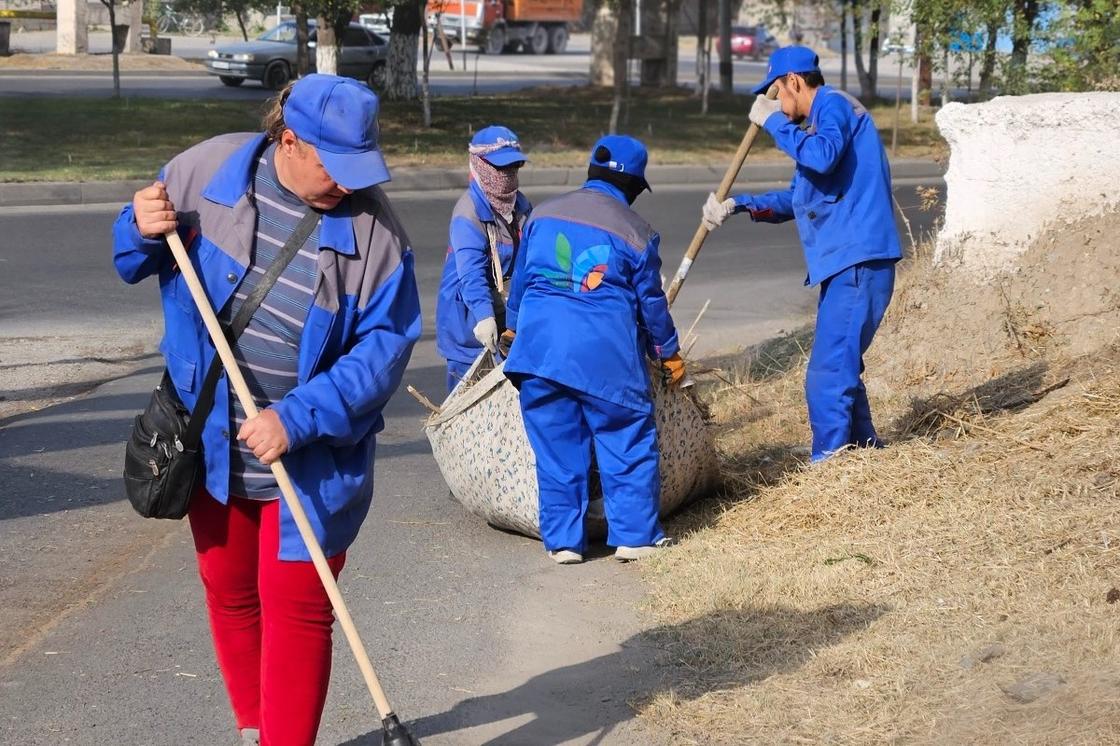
(188, 23)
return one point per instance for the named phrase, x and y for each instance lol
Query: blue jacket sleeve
(768, 207)
(134, 256)
(471, 249)
(517, 284)
(342, 403)
(653, 307)
(823, 149)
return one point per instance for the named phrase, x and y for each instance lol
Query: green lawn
(83, 139)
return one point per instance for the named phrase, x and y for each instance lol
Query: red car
(751, 41)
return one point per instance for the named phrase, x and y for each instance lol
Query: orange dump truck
(496, 26)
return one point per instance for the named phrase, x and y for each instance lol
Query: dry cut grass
(961, 586)
(917, 586)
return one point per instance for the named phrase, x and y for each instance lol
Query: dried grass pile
(961, 586)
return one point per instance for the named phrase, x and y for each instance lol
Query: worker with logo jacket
(841, 198)
(585, 311)
(487, 220)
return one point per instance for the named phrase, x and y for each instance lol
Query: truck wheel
(557, 39)
(495, 41)
(537, 43)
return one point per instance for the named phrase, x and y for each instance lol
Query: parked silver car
(271, 58)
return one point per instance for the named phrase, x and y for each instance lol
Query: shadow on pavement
(690, 659)
(70, 455)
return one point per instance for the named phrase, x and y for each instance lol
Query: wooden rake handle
(281, 474)
(722, 191)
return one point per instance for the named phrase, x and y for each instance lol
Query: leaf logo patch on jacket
(585, 273)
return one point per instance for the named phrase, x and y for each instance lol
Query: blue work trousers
(562, 423)
(851, 306)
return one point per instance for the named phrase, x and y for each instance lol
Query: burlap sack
(480, 445)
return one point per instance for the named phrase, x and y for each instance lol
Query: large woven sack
(479, 443)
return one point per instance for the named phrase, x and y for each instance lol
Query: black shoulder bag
(163, 456)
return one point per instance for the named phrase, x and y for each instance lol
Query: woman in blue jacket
(322, 355)
(840, 197)
(585, 311)
(486, 223)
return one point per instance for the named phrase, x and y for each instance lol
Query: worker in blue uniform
(841, 198)
(585, 310)
(484, 235)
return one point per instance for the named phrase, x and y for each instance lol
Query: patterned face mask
(499, 185)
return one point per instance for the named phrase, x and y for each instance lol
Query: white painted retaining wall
(1020, 163)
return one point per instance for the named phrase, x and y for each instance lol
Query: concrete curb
(434, 179)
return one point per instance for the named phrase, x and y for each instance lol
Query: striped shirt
(268, 349)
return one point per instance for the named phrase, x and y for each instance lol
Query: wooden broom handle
(285, 483)
(724, 189)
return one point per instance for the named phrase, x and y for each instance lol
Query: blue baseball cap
(338, 117)
(498, 146)
(623, 154)
(788, 60)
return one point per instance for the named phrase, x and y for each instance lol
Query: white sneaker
(629, 554)
(566, 557)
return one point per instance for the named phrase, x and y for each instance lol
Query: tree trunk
(707, 84)
(672, 42)
(240, 16)
(111, 6)
(946, 83)
(843, 45)
(659, 31)
(857, 49)
(303, 59)
(326, 47)
(604, 30)
(402, 84)
(726, 78)
(925, 78)
(873, 54)
(404, 42)
(425, 88)
(1025, 13)
(701, 43)
(620, 60)
(988, 61)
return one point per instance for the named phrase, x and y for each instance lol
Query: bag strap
(515, 240)
(193, 434)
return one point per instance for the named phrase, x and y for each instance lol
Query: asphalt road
(482, 73)
(478, 637)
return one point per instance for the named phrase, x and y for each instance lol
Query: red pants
(271, 619)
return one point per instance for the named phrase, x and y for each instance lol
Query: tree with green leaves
(1083, 47)
(1055, 44)
(239, 9)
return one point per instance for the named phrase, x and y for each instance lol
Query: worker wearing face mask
(484, 237)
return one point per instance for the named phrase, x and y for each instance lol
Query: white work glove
(715, 212)
(762, 108)
(486, 332)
